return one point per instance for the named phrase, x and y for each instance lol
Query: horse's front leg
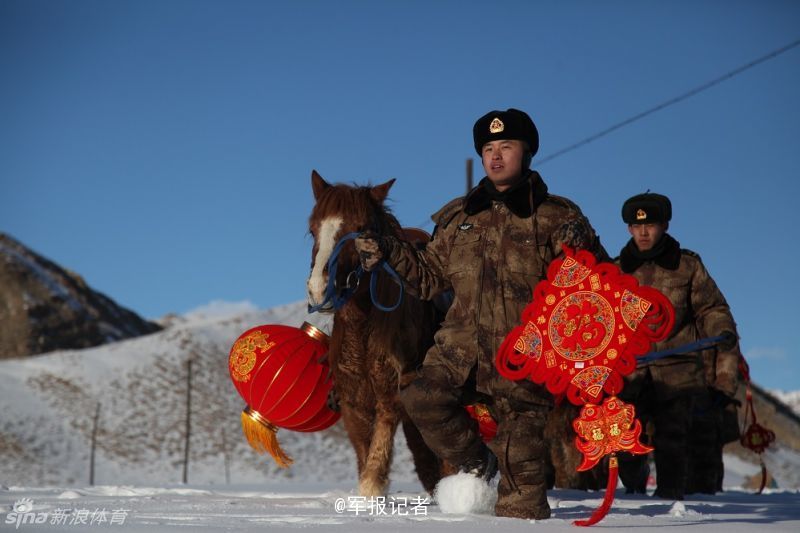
(356, 399)
(374, 479)
(358, 423)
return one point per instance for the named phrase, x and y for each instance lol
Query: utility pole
(94, 443)
(226, 456)
(188, 421)
(469, 174)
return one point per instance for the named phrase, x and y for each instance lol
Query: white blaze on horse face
(326, 240)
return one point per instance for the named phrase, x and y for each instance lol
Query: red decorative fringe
(602, 511)
(763, 475)
(756, 437)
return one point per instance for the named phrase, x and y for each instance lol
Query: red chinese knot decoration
(756, 437)
(583, 330)
(607, 429)
(580, 336)
(281, 374)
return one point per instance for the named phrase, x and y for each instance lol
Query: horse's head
(339, 210)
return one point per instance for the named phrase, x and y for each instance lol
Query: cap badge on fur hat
(496, 126)
(511, 124)
(641, 214)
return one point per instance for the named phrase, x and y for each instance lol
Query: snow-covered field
(305, 506)
(47, 405)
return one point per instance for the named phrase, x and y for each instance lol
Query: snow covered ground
(47, 404)
(306, 506)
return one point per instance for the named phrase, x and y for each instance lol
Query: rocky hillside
(44, 307)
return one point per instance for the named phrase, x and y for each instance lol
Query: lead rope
(339, 300)
(696, 346)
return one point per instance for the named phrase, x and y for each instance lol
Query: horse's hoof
(371, 488)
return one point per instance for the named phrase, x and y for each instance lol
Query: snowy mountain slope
(792, 399)
(47, 405)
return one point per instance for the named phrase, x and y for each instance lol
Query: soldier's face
(647, 235)
(502, 161)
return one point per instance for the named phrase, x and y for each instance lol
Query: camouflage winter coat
(700, 311)
(491, 254)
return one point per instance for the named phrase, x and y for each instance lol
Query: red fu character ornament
(583, 330)
(281, 374)
(580, 336)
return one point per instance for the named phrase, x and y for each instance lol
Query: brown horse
(372, 352)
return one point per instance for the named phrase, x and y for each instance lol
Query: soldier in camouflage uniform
(665, 390)
(490, 248)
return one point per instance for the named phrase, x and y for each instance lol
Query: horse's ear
(318, 184)
(380, 192)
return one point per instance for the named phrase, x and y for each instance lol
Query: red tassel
(763, 475)
(602, 511)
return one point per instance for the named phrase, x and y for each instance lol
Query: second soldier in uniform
(665, 390)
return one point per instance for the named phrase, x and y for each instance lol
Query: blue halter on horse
(338, 300)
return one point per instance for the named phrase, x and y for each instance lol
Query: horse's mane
(356, 202)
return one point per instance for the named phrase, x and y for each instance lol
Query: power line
(659, 107)
(667, 103)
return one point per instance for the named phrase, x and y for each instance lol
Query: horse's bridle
(338, 298)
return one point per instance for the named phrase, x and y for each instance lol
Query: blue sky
(163, 149)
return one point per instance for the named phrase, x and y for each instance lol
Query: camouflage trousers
(670, 418)
(437, 409)
(714, 423)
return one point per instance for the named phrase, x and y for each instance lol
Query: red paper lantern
(280, 373)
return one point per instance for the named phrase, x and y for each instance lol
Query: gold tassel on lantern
(261, 435)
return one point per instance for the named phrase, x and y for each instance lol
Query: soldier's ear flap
(527, 159)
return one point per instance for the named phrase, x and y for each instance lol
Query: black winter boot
(484, 466)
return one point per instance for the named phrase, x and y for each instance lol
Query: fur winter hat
(647, 208)
(509, 124)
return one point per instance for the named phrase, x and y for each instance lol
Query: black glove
(723, 400)
(728, 341)
(369, 246)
